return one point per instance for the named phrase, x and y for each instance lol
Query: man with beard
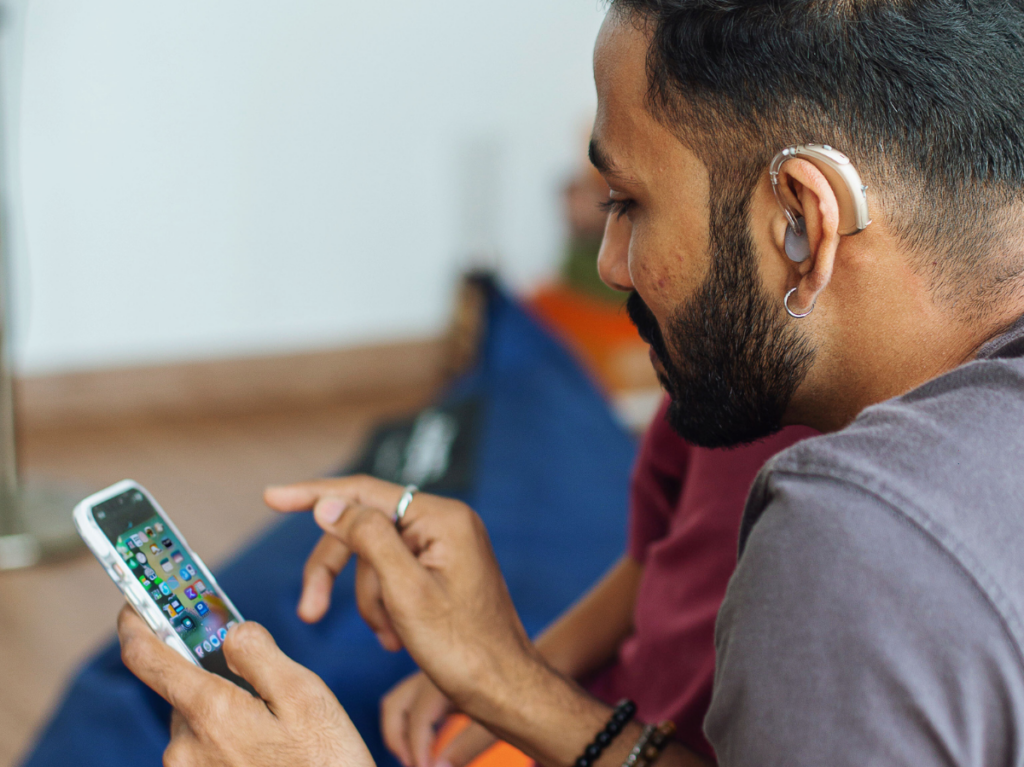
(875, 615)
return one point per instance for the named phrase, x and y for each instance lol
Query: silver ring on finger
(403, 505)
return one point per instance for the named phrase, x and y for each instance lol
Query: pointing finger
(302, 496)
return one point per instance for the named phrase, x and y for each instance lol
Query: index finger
(360, 489)
(182, 684)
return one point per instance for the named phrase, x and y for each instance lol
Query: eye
(617, 208)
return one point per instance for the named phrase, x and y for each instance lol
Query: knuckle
(367, 526)
(245, 636)
(460, 515)
(131, 653)
(177, 754)
(209, 712)
(218, 712)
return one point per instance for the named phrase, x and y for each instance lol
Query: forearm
(588, 634)
(552, 720)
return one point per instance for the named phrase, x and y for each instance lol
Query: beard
(732, 362)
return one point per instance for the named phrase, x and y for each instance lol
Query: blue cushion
(550, 474)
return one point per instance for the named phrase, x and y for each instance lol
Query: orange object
(501, 754)
(601, 335)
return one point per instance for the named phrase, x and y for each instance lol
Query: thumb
(253, 654)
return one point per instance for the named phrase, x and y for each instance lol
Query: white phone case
(133, 591)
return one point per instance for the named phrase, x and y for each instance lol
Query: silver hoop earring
(790, 312)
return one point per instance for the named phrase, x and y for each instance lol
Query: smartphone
(160, 576)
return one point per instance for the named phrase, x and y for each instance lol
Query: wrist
(544, 714)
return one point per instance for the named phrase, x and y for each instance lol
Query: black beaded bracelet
(624, 712)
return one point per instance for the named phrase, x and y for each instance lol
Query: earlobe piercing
(790, 312)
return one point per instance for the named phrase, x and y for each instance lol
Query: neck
(892, 355)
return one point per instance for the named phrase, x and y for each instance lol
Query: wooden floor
(208, 474)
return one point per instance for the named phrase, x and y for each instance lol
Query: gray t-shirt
(876, 616)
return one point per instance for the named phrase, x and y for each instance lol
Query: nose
(613, 258)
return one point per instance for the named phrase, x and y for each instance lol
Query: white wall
(216, 177)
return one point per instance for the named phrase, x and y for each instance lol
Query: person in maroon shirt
(646, 630)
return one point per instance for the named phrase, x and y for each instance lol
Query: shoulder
(941, 463)
(876, 603)
(955, 442)
(848, 636)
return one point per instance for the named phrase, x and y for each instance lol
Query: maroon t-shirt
(685, 509)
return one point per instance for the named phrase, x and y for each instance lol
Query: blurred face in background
(720, 343)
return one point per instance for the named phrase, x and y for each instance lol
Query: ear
(811, 195)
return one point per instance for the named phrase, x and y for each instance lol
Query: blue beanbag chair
(525, 438)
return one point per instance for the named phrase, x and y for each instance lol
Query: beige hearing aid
(842, 177)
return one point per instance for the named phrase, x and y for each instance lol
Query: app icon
(171, 610)
(215, 641)
(154, 548)
(187, 623)
(140, 557)
(158, 527)
(166, 565)
(136, 539)
(149, 572)
(165, 589)
(190, 593)
(176, 604)
(223, 633)
(184, 574)
(133, 563)
(200, 587)
(173, 583)
(177, 557)
(208, 647)
(122, 550)
(201, 608)
(166, 543)
(149, 532)
(191, 570)
(155, 595)
(140, 538)
(144, 582)
(200, 652)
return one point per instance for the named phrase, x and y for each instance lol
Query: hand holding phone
(291, 717)
(295, 721)
(161, 577)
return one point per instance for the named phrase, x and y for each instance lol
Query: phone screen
(163, 566)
